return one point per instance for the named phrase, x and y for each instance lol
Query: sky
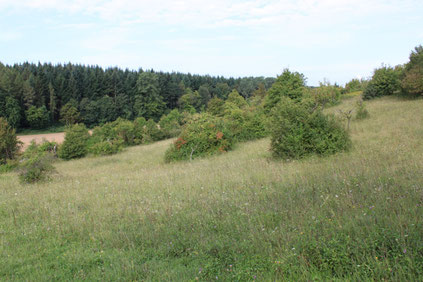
(332, 40)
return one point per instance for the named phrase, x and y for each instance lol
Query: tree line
(33, 95)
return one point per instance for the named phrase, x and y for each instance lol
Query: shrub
(9, 166)
(152, 132)
(190, 101)
(149, 131)
(124, 130)
(171, 124)
(112, 137)
(235, 98)
(203, 135)
(139, 124)
(412, 80)
(361, 111)
(245, 124)
(297, 131)
(255, 125)
(326, 95)
(355, 85)
(215, 106)
(75, 144)
(288, 84)
(385, 81)
(37, 168)
(44, 147)
(9, 143)
(121, 129)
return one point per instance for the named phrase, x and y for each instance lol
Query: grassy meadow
(238, 216)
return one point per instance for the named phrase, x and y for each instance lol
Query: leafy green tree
(89, 112)
(222, 90)
(148, 102)
(288, 84)
(246, 87)
(191, 100)
(326, 94)
(412, 80)
(13, 112)
(235, 98)
(9, 143)
(385, 81)
(215, 106)
(204, 93)
(69, 114)
(260, 91)
(37, 117)
(353, 85)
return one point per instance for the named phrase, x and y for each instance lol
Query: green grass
(351, 95)
(52, 129)
(238, 216)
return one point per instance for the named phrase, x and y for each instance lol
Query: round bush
(9, 143)
(245, 124)
(75, 144)
(171, 124)
(362, 112)
(37, 168)
(203, 135)
(298, 131)
(139, 124)
(119, 129)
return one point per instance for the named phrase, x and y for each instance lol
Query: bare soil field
(26, 139)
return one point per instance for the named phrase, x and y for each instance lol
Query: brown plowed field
(26, 139)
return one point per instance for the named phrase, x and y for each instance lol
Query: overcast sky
(335, 40)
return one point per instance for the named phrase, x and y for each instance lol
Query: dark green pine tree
(52, 103)
(204, 94)
(28, 95)
(148, 102)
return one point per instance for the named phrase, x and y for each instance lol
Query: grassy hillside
(238, 216)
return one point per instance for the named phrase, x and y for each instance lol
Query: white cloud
(8, 36)
(217, 13)
(224, 35)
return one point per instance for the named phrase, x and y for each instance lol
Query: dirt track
(26, 139)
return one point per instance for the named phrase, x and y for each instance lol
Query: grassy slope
(236, 216)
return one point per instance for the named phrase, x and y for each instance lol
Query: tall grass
(238, 216)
